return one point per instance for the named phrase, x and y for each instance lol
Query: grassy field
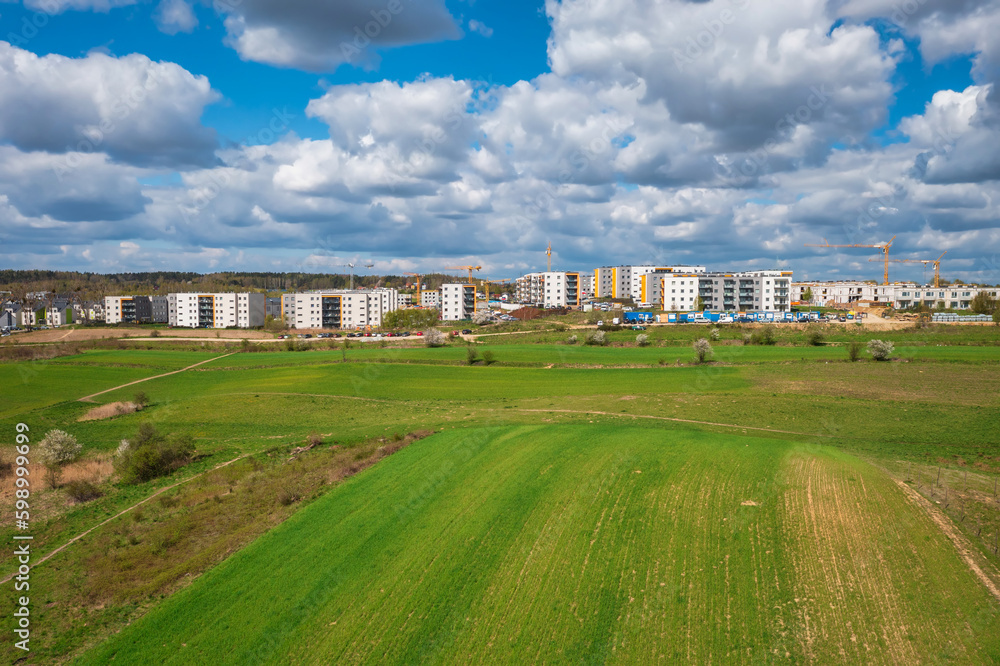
(586, 543)
(776, 425)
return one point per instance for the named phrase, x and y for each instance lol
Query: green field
(586, 543)
(616, 504)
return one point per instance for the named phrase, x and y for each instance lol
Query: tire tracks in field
(962, 545)
(159, 492)
(89, 398)
(674, 419)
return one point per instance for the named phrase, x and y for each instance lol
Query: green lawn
(546, 354)
(589, 415)
(586, 544)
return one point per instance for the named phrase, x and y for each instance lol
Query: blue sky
(477, 131)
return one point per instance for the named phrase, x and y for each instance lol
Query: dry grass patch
(110, 410)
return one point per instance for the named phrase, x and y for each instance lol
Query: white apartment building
(458, 301)
(758, 291)
(193, 310)
(900, 295)
(554, 289)
(670, 291)
(341, 309)
(626, 281)
(430, 298)
(137, 309)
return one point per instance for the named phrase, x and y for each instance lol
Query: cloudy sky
(417, 134)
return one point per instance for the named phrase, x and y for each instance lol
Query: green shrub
(814, 337)
(82, 491)
(854, 350)
(471, 355)
(596, 339)
(764, 336)
(571, 340)
(489, 358)
(287, 497)
(151, 455)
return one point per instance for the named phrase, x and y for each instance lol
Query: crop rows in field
(580, 543)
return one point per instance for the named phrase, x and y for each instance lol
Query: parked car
(638, 328)
(600, 323)
(405, 334)
(466, 331)
(420, 332)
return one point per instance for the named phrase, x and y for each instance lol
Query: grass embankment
(112, 576)
(587, 543)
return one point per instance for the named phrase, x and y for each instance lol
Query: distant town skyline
(252, 135)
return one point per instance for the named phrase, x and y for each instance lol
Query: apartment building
(342, 309)
(430, 298)
(669, 291)
(554, 289)
(137, 309)
(458, 301)
(768, 291)
(193, 310)
(900, 295)
(586, 286)
(626, 281)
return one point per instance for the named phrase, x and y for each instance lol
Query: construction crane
(419, 291)
(548, 257)
(351, 266)
(489, 282)
(936, 262)
(882, 247)
(465, 268)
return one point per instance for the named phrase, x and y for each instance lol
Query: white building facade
(430, 298)
(340, 309)
(626, 281)
(193, 310)
(554, 289)
(757, 291)
(901, 295)
(458, 301)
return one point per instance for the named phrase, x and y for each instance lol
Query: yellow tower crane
(548, 257)
(936, 262)
(419, 291)
(465, 268)
(882, 247)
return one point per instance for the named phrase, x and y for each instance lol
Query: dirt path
(123, 512)
(677, 420)
(962, 545)
(89, 398)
